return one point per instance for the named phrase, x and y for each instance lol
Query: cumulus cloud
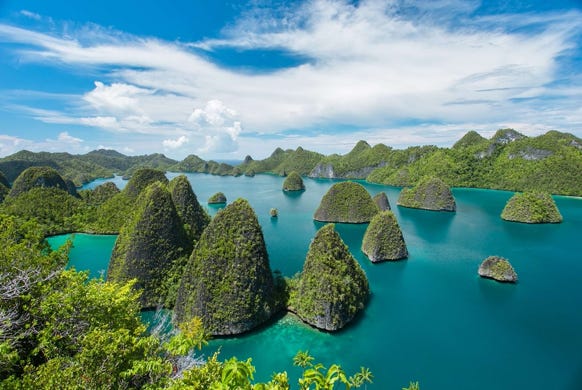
(370, 64)
(175, 143)
(66, 138)
(117, 97)
(219, 124)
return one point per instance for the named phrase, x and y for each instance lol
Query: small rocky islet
(430, 193)
(497, 268)
(293, 182)
(332, 288)
(217, 198)
(383, 240)
(346, 202)
(531, 207)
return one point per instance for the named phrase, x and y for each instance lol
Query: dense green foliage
(430, 193)
(281, 162)
(110, 216)
(193, 163)
(531, 207)
(82, 168)
(152, 247)
(142, 178)
(347, 202)
(99, 194)
(332, 287)
(293, 182)
(471, 138)
(33, 177)
(509, 160)
(193, 216)
(383, 239)
(228, 281)
(217, 198)
(56, 210)
(60, 330)
(498, 268)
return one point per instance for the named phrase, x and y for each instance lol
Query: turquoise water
(430, 318)
(89, 252)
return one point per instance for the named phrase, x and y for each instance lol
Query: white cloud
(30, 15)
(117, 97)
(219, 124)
(65, 138)
(175, 143)
(368, 65)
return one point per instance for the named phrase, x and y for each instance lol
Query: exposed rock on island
(381, 200)
(293, 182)
(148, 247)
(346, 202)
(383, 239)
(531, 207)
(218, 198)
(228, 281)
(332, 288)
(430, 193)
(497, 268)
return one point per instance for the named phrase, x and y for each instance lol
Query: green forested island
(509, 160)
(531, 207)
(59, 328)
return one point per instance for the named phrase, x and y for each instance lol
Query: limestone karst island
(291, 195)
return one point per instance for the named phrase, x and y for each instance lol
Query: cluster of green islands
(509, 161)
(58, 327)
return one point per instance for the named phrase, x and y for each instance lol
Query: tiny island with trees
(58, 328)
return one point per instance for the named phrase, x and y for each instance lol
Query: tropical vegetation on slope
(509, 160)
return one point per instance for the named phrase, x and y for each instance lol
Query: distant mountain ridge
(509, 160)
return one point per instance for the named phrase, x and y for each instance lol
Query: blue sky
(226, 79)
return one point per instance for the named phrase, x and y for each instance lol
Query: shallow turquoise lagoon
(430, 318)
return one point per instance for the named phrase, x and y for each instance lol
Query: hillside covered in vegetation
(509, 160)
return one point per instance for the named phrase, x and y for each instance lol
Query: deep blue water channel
(430, 318)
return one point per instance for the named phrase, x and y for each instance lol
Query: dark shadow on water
(260, 328)
(496, 292)
(529, 232)
(274, 220)
(430, 225)
(293, 194)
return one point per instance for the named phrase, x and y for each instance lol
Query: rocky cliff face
(333, 288)
(323, 170)
(497, 268)
(346, 202)
(149, 245)
(383, 239)
(228, 281)
(429, 194)
(531, 207)
(193, 216)
(381, 200)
